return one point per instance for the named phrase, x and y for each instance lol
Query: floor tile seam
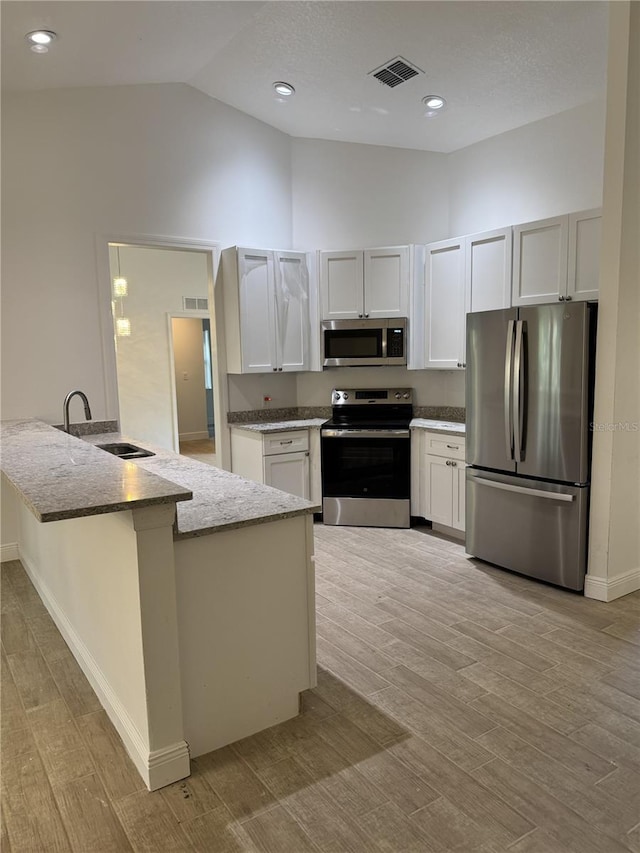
(376, 649)
(560, 804)
(606, 708)
(551, 663)
(351, 658)
(282, 801)
(261, 810)
(335, 622)
(529, 740)
(633, 662)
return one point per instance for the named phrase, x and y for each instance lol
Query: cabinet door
(341, 285)
(444, 304)
(288, 472)
(488, 270)
(386, 282)
(292, 311)
(585, 230)
(257, 310)
(438, 490)
(540, 261)
(459, 490)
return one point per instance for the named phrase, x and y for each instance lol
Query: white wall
(543, 169)
(431, 387)
(614, 545)
(155, 160)
(349, 196)
(247, 392)
(189, 374)
(157, 279)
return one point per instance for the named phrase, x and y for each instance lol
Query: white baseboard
(9, 552)
(157, 768)
(608, 589)
(193, 436)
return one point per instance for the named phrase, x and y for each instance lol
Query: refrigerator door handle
(508, 383)
(522, 490)
(517, 407)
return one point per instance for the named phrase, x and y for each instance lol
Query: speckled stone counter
(59, 476)
(443, 427)
(281, 426)
(221, 500)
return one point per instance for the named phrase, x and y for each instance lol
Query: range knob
(345, 396)
(398, 395)
(406, 395)
(337, 395)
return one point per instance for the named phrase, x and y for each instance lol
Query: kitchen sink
(125, 450)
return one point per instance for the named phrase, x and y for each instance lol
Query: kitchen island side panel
(246, 622)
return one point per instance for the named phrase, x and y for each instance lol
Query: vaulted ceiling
(499, 65)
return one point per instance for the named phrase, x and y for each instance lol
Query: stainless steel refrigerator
(529, 392)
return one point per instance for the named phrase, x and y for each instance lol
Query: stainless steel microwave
(364, 343)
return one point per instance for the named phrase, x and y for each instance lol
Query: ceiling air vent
(396, 71)
(195, 303)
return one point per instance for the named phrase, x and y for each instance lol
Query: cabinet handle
(307, 453)
(561, 298)
(464, 363)
(453, 446)
(366, 315)
(287, 442)
(280, 369)
(275, 368)
(569, 298)
(459, 365)
(454, 464)
(360, 315)
(448, 462)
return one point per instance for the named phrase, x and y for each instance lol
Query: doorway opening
(193, 386)
(151, 283)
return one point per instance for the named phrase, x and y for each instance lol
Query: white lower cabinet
(441, 471)
(281, 460)
(288, 472)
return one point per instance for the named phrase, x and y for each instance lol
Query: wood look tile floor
(202, 450)
(458, 708)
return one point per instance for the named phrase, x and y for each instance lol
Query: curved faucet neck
(67, 401)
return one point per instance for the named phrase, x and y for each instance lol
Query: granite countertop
(443, 427)
(221, 500)
(59, 476)
(281, 426)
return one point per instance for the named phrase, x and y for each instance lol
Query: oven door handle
(365, 433)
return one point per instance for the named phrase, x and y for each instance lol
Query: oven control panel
(371, 396)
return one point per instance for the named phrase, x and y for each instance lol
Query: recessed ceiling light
(285, 90)
(39, 40)
(434, 104)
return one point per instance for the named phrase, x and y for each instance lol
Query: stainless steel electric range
(366, 458)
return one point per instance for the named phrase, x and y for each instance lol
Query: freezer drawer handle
(521, 490)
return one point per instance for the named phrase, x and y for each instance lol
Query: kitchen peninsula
(185, 592)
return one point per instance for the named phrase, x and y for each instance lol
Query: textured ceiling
(499, 64)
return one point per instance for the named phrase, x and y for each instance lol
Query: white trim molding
(157, 768)
(9, 551)
(608, 589)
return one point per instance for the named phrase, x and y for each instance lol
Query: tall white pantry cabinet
(267, 310)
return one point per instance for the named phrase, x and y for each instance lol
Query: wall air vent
(195, 303)
(395, 71)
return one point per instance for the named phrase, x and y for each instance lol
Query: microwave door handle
(384, 332)
(508, 387)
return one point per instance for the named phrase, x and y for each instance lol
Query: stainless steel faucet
(67, 400)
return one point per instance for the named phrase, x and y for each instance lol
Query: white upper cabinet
(488, 270)
(292, 311)
(341, 285)
(257, 311)
(444, 306)
(386, 282)
(556, 259)
(585, 232)
(266, 306)
(368, 284)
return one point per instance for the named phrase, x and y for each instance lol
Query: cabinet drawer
(441, 445)
(285, 442)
